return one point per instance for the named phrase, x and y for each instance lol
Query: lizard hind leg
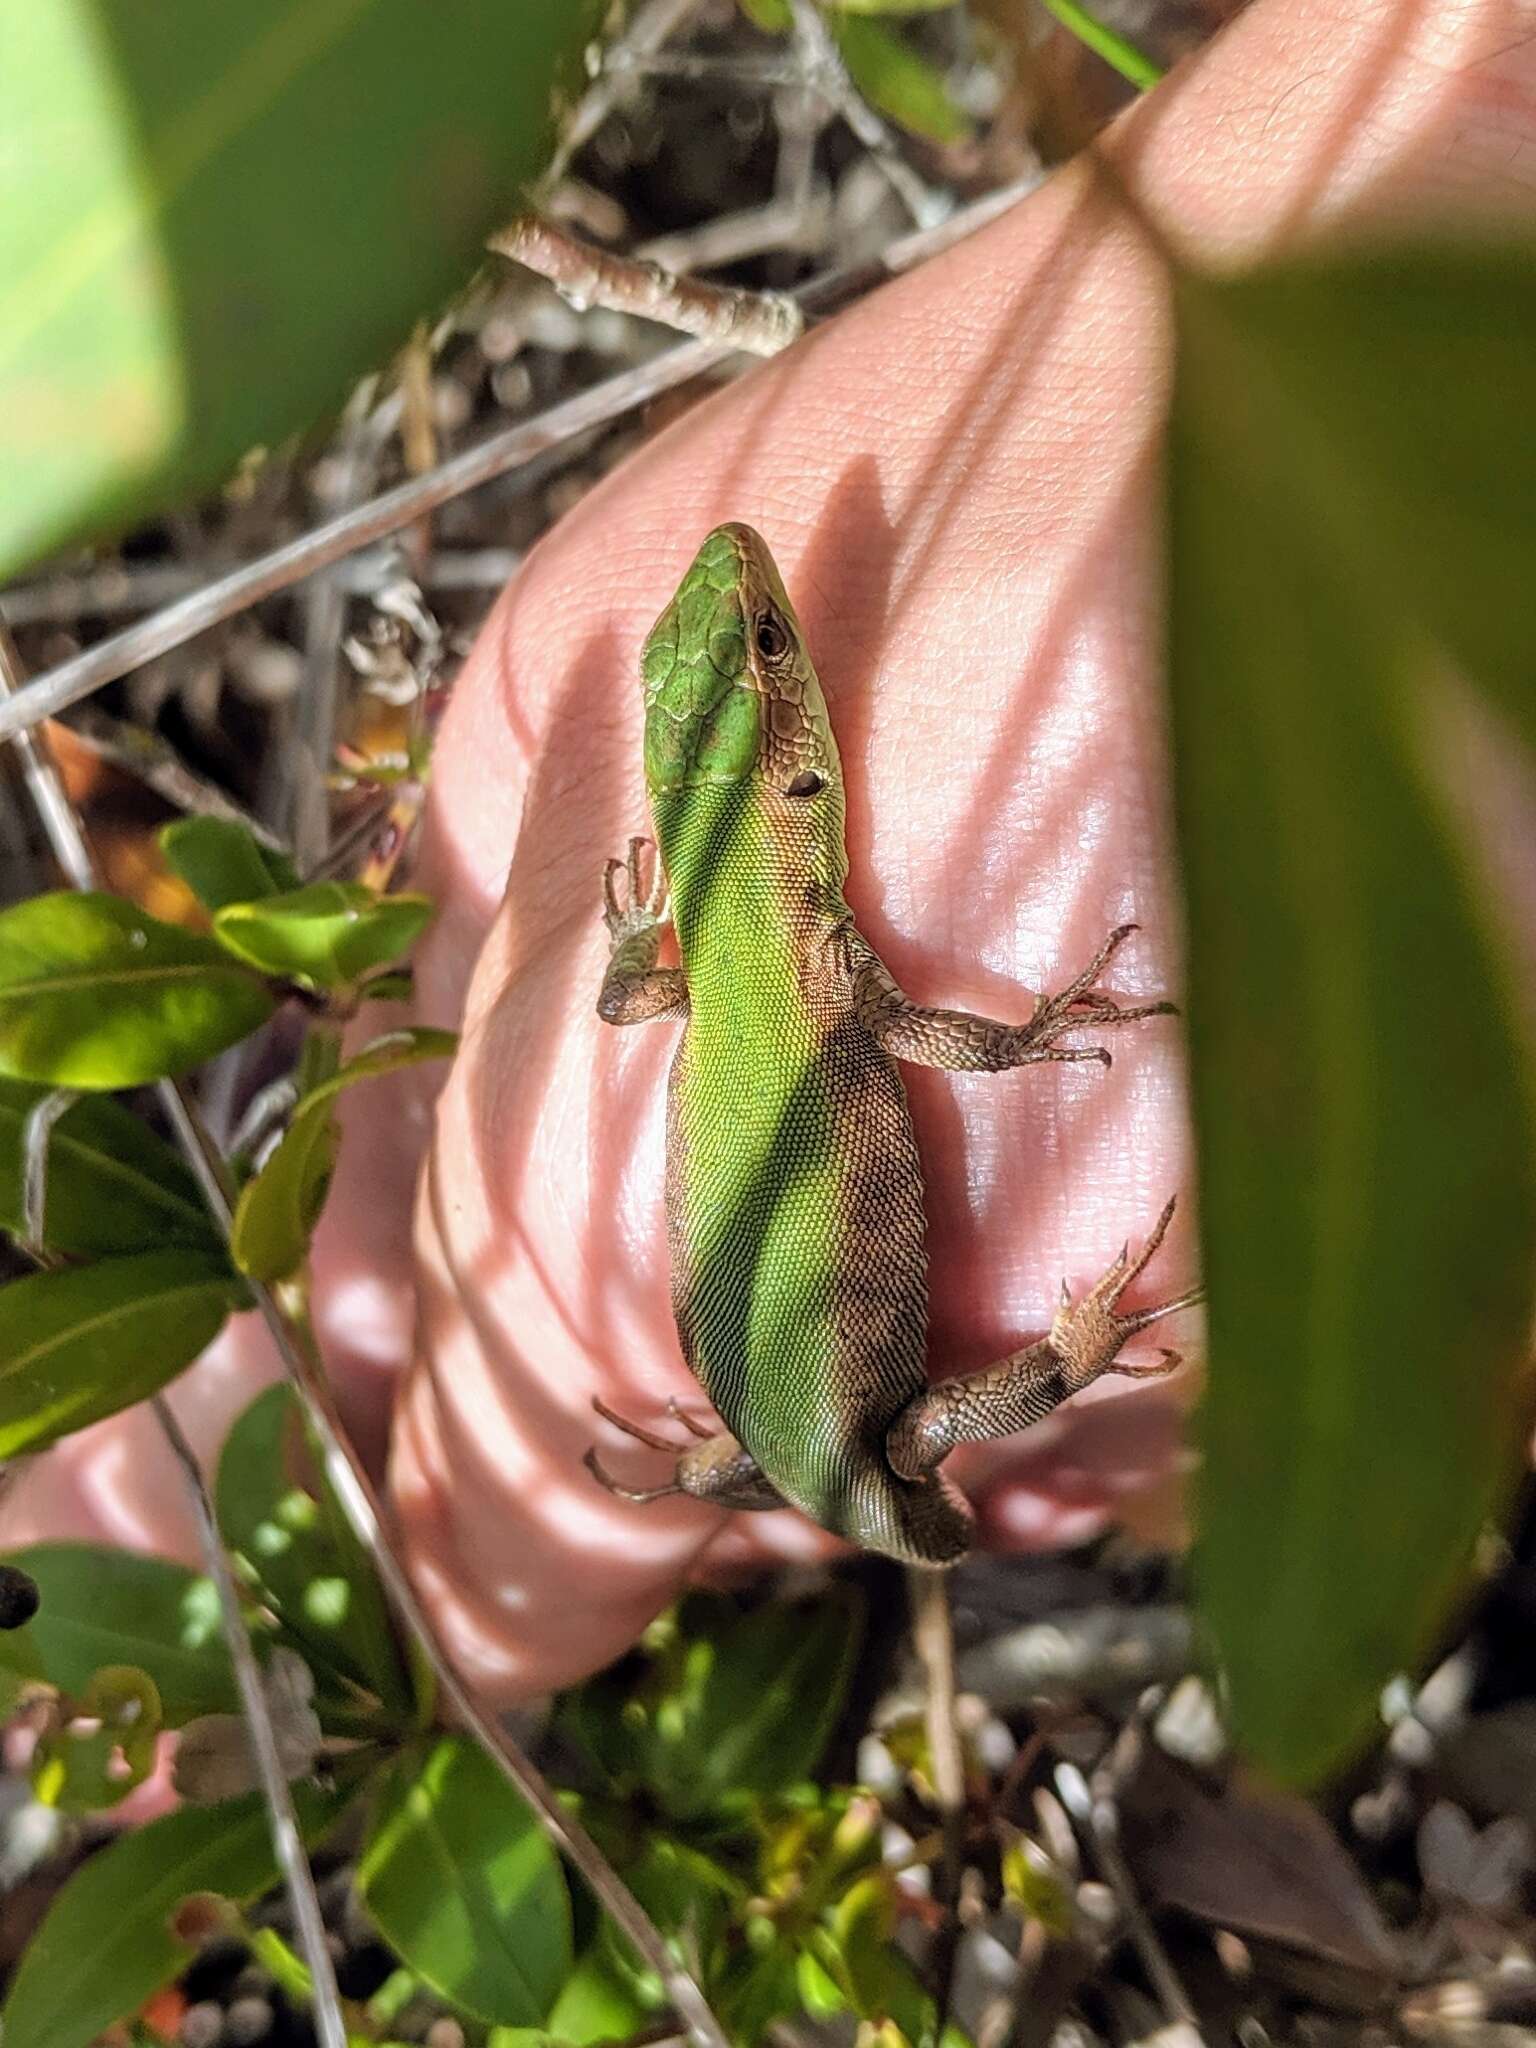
(1084, 1344)
(713, 1467)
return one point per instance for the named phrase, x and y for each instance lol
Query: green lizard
(794, 1186)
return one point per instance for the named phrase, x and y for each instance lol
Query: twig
(73, 854)
(698, 67)
(731, 237)
(48, 694)
(113, 590)
(827, 75)
(306, 809)
(652, 26)
(759, 322)
(36, 1137)
(308, 1920)
(147, 757)
(933, 1635)
(1094, 1821)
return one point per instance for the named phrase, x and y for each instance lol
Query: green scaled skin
(794, 1184)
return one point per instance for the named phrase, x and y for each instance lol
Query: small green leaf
(772, 16)
(101, 1607)
(465, 1887)
(397, 986)
(279, 1208)
(85, 1341)
(106, 1747)
(223, 862)
(898, 81)
(107, 1943)
(287, 1970)
(329, 933)
(291, 1539)
(112, 1185)
(862, 1924)
(596, 2002)
(95, 993)
(1362, 1105)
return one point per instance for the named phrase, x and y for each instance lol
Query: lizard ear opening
(806, 783)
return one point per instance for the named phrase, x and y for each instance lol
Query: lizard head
(731, 697)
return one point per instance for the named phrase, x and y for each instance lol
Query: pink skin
(957, 480)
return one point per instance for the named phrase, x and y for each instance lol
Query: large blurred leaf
(1408, 368)
(291, 1539)
(102, 1606)
(95, 993)
(107, 1941)
(464, 1885)
(85, 1341)
(330, 932)
(279, 1207)
(232, 212)
(1353, 499)
(112, 1185)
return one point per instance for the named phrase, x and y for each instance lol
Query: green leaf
(107, 1943)
(279, 1208)
(464, 1886)
(329, 933)
(862, 1923)
(96, 1758)
(85, 1341)
(897, 81)
(198, 267)
(222, 861)
(112, 1186)
(596, 2002)
(1364, 1122)
(95, 993)
(291, 1539)
(772, 16)
(1118, 51)
(1428, 493)
(102, 1607)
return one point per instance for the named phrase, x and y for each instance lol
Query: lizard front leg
(713, 1468)
(634, 988)
(1084, 1344)
(961, 1041)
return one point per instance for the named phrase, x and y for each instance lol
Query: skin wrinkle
(1018, 384)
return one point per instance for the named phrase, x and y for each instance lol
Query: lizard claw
(637, 906)
(1087, 1335)
(641, 1495)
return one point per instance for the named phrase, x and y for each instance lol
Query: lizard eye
(771, 637)
(806, 783)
